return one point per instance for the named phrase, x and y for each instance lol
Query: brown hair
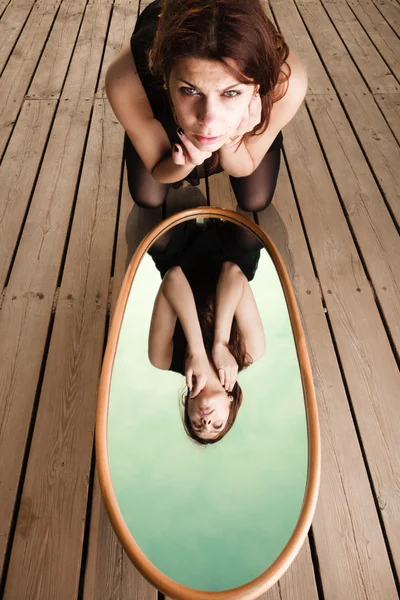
(217, 30)
(237, 348)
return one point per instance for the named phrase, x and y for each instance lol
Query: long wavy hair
(219, 29)
(237, 348)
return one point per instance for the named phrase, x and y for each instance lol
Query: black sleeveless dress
(141, 42)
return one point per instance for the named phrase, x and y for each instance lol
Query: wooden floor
(67, 230)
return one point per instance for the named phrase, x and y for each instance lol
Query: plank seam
(31, 79)
(316, 565)
(5, 8)
(18, 37)
(383, 16)
(96, 88)
(88, 517)
(347, 116)
(25, 460)
(34, 183)
(347, 49)
(384, 115)
(373, 43)
(354, 238)
(366, 466)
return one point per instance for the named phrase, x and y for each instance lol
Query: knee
(144, 196)
(256, 202)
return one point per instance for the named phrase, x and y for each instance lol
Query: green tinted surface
(215, 517)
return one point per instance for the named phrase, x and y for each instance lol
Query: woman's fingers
(189, 378)
(221, 375)
(193, 155)
(198, 386)
(178, 155)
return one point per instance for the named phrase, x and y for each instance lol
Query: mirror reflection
(205, 322)
(207, 312)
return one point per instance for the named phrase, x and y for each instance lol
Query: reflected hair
(219, 29)
(237, 348)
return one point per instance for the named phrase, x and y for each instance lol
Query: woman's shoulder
(293, 81)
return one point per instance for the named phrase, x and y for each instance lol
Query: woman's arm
(235, 298)
(175, 300)
(241, 161)
(131, 106)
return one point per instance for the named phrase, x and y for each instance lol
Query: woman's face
(208, 412)
(209, 102)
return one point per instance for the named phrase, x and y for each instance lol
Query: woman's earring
(165, 86)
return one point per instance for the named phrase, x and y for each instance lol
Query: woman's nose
(205, 421)
(207, 113)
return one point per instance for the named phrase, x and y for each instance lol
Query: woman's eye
(188, 91)
(232, 93)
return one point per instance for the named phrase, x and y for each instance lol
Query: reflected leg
(144, 189)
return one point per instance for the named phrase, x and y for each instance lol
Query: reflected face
(208, 412)
(209, 101)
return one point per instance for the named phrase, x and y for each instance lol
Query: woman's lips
(207, 140)
(205, 413)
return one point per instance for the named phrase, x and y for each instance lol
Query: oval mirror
(211, 492)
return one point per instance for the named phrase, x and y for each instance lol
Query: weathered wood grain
(390, 10)
(11, 24)
(366, 357)
(124, 15)
(376, 235)
(373, 133)
(345, 525)
(383, 36)
(390, 107)
(361, 49)
(20, 67)
(50, 526)
(18, 172)
(27, 306)
(53, 65)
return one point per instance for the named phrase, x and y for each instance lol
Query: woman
(205, 323)
(204, 86)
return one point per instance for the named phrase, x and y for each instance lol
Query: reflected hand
(197, 369)
(226, 365)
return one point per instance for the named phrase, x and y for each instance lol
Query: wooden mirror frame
(253, 589)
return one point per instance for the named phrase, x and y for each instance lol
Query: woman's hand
(250, 119)
(187, 153)
(225, 364)
(197, 370)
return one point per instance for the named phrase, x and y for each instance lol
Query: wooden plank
(350, 548)
(18, 173)
(21, 65)
(296, 36)
(3, 6)
(360, 47)
(109, 573)
(185, 197)
(390, 10)
(368, 364)
(11, 25)
(27, 305)
(383, 36)
(298, 582)
(377, 238)
(123, 21)
(390, 106)
(375, 136)
(52, 69)
(50, 526)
